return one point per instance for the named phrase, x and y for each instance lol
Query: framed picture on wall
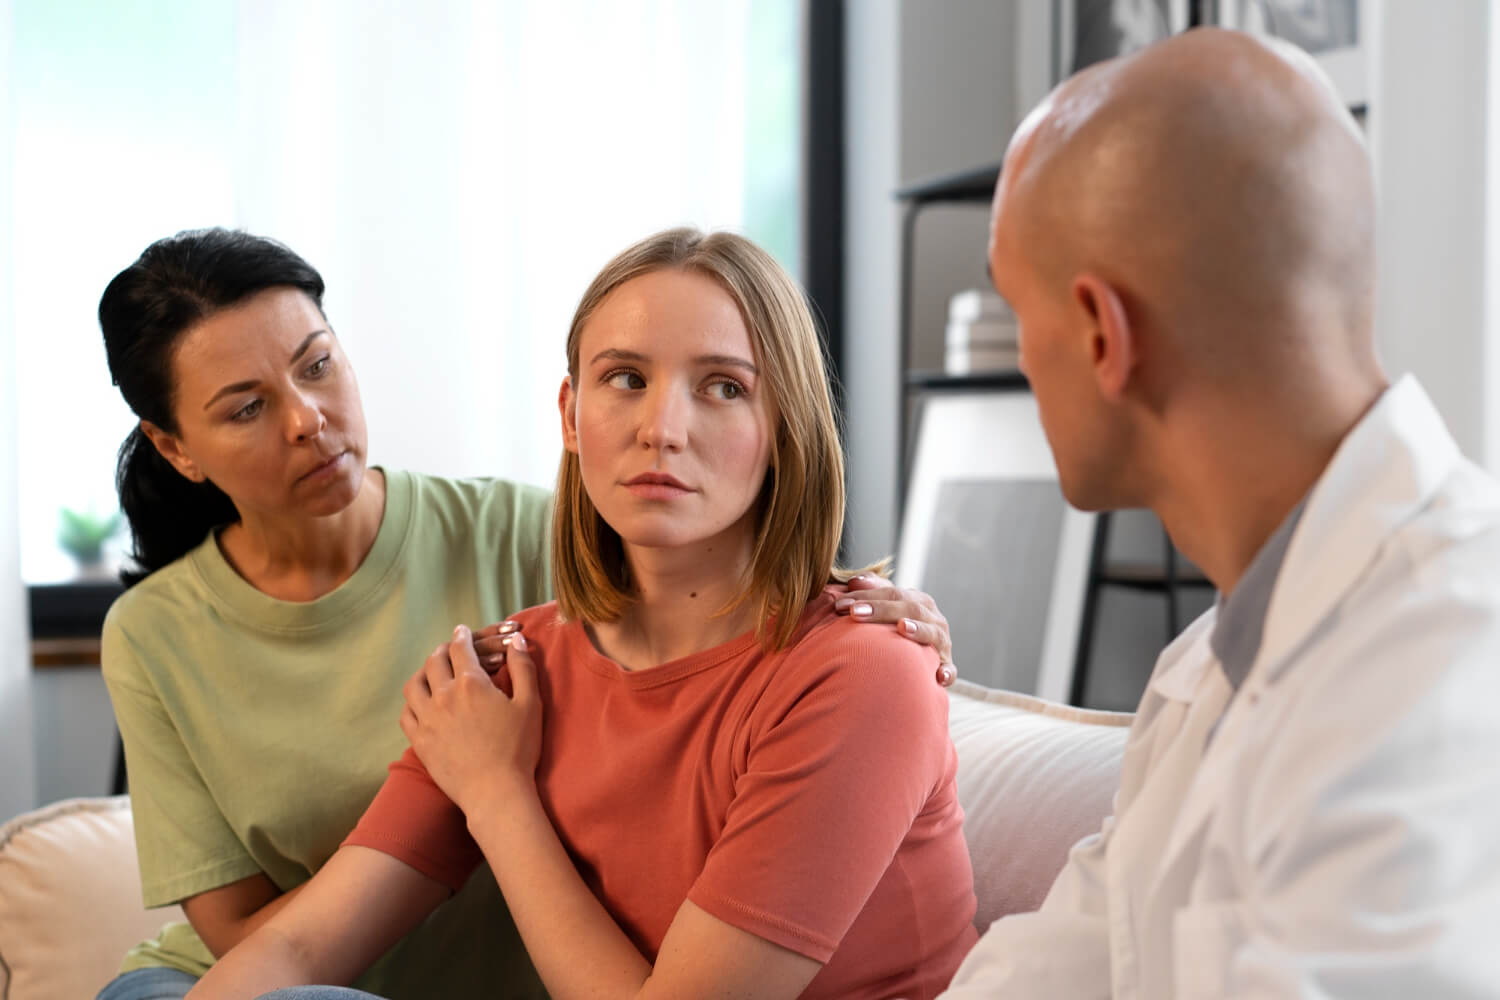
(1090, 31)
(987, 533)
(1334, 32)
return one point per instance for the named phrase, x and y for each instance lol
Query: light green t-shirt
(257, 730)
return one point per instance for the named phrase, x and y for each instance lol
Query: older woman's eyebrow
(306, 343)
(230, 390)
(235, 387)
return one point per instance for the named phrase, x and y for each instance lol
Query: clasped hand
(469, 734)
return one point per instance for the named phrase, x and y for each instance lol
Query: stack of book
(981, 334)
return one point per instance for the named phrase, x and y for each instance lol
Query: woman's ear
(567, 407)
(169, 447)
(1114, 343)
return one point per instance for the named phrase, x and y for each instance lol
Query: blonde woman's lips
(657, 486)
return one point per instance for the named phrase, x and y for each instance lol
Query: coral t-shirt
(805, 795)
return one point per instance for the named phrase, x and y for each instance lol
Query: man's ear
(1113, 341)
(170, 448)
(567, 407)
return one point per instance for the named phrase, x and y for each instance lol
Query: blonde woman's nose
(664, 417)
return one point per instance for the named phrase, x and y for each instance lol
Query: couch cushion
(1033, 777)
(70, 899)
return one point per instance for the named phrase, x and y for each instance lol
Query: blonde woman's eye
(625, 379)
(727, 389)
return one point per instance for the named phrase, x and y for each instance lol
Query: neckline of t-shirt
(695, 663)
(239, 599)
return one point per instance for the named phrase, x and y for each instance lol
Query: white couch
(1033, 778)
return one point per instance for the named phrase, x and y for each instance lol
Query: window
(458, 171)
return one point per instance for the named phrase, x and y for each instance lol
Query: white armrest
(70, 899)
(1034, 777)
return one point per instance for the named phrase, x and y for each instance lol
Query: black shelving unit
(1171, 578)
(970, 187)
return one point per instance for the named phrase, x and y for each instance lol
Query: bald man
(1310, 798)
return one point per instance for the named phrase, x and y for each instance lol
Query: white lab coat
(1340, 834)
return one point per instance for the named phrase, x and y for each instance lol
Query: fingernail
(458, 631)
(946, 676)
(518, 641)
(507, 627)
(861, 611)
(842, 604)
(495, 659)
(908, 627)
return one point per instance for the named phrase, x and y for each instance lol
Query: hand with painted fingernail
(914, 613)
(491, 643)
(465, 728)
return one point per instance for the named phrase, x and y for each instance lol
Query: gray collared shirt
(1242, 615)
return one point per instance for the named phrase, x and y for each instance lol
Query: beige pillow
(70, 899)
(1033, 777)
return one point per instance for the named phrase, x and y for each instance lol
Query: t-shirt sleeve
(535, 508)
(184, 843)
(842, 759)
(413, 821)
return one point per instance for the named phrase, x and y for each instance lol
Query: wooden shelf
(77, 651)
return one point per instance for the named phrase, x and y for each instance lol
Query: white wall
(958, 106)
(17, 760)
(75, 733)
(1491, 455)
(931, 89)
(871, 294)
(1432, 131)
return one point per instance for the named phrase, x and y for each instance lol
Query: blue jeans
(318, 993)
(149, 984)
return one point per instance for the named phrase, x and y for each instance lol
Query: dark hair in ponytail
(146, 309)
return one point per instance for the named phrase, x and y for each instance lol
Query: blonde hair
(800, 515)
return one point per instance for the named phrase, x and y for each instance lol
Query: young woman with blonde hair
(694, 778)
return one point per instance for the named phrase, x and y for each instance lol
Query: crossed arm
(362, 902)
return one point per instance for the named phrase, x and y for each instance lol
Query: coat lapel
(1386, 470)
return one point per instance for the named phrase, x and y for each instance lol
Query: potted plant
(82, 534)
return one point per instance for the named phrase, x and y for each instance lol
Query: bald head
(1215, 181)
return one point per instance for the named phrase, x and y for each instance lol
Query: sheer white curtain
(459, 171)
(18, 773)
(123, 119)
